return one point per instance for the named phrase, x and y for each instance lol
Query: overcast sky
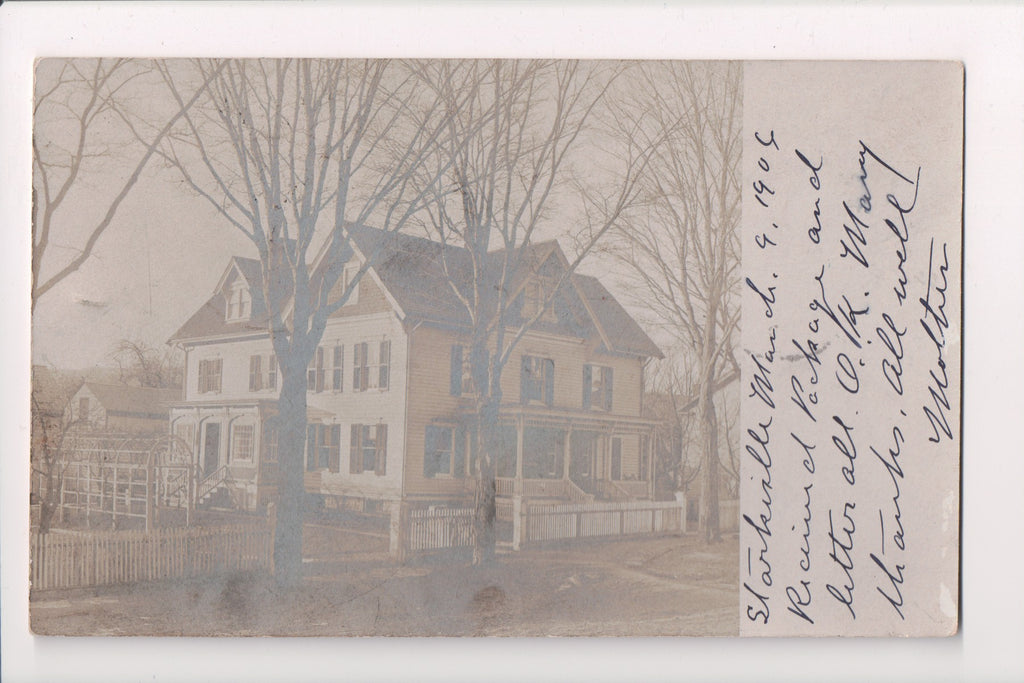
(158, 261)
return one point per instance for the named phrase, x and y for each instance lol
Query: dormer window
(348, 277)
(537, 295)
(239, 302)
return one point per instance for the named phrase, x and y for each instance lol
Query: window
(444, 452)
(323, 447)
(239, 302)
(272, 371)
(537, 380)
(369, 449)
(536, 294)
(83, 409)
(462, 382)
(371, 365)
(597, 387)
(209, 375)
(242, 442)
(269, 443)
(337, 374)
(317, 373)
(347, 276)
(255, 373)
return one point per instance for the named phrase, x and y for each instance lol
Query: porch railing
(211, 482)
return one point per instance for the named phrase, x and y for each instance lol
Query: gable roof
(211, 318)
(133, 400)
(412, 270)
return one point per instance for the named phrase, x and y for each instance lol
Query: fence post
(518, 522)
(398, 546)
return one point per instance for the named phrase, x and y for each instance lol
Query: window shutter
(255, 373)
(459, 452)
(588, 378)
(355, 456)
(311, 447)
(455, 378)
(524, 380)
(479, 370)
(385, 364)
(382, 450)
(549, 381)
(608, 373)
(334, 459)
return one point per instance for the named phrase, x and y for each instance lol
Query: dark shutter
(459, 452)
(385, 364)
(334, 457)
(525, 379)
(355, 456)
(455, 368)
(607, 388)
(549, 381)
(588, 375)
(311, 447)
(382, 450)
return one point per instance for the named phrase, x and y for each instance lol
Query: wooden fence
(553, 522)
(438, 528)
(76, 559)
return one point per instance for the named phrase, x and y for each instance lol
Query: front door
(211, 448)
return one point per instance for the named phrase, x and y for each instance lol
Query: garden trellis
(115, 477)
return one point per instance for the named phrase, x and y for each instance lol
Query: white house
(389, 418)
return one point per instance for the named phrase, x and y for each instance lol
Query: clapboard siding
(431, 403)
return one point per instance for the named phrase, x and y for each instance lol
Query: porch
(572, 457)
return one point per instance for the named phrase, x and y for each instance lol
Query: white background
(989, 39)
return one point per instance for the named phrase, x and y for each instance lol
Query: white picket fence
(439, 528)
(554, 522)
(76, 559)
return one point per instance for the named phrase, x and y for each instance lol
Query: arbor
(79, 102)
(681, 245)
(290, 152)
(493, 182)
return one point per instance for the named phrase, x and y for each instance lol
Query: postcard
(493, 347)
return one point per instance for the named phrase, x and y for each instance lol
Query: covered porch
(573, 457)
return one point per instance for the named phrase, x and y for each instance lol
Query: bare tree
(511, 133)
(51, 392)
(78, 101)
(290, 153)
(140, 364)
(682, 247)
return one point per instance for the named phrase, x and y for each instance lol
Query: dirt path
(660, 586)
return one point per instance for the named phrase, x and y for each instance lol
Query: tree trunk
(709, 422)
(485, 512)
(291, 438)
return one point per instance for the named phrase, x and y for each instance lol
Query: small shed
(115, 476)
(119, 408)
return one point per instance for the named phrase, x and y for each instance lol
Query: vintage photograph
(386, 347)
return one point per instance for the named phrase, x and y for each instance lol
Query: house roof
(135, 400)
(210, 320)
(413, 270)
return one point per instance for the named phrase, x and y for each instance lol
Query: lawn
(667, 585)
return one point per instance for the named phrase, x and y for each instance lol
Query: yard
(650, 586)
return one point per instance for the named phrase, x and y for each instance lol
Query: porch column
(520, 432)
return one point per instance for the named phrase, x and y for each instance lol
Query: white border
(988, 39)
